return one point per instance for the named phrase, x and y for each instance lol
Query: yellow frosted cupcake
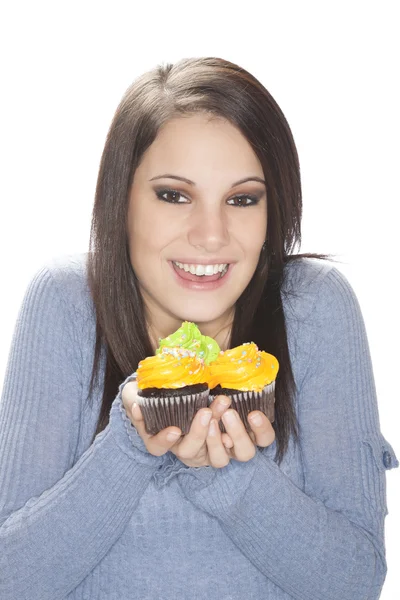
(173, 384)
(246, 375)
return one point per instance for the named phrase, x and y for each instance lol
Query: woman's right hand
(192, 448)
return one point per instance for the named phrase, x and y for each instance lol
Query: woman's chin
(201, 315)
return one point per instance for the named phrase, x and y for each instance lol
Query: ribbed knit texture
(110, 521)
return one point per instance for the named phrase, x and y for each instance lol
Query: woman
(199, 168)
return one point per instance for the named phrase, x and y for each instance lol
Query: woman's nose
(208, 228)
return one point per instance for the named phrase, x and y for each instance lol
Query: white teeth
(201, 270)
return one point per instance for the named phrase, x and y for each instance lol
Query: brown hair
(216, 87)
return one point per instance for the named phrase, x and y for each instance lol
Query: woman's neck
(221, 335)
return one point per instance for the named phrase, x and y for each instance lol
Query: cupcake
(173, 384)
(247, 376)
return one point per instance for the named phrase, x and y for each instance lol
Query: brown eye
(174, 196)
(243, 201)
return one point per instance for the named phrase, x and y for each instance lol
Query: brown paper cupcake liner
(246, 402)
(161, 412)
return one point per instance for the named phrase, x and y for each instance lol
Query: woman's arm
(58, 516)
(325, 541)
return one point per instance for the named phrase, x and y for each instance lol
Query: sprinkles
(178, 352)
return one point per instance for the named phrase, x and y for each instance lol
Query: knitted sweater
(109, 521)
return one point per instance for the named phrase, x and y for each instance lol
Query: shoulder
(65, 275)
(314, 287)
(321, 311)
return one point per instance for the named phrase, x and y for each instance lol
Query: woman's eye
(174, 197)
(243, 201)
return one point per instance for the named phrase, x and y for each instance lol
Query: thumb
(136, 412)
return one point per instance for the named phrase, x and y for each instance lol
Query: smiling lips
(200, 273)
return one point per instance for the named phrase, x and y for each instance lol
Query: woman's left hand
(235, 443)
(239, 444)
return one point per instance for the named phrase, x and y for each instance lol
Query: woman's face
(195, 248)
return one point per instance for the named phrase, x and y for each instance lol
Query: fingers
(243, 447)
(226, 440)
(157, 444)
(217, 453)
(236, 442)
(263, 431)
(205, 430)
(219, 405)
(204, 441)
(129, 395)
(192, 443)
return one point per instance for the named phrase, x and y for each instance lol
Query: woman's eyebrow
(169, 176)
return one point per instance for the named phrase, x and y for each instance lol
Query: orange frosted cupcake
(246, 375)
(172, 387)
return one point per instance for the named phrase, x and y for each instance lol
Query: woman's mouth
(200, 276)
(210, 272)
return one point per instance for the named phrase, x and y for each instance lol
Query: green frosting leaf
(188, 336)
(210, 349)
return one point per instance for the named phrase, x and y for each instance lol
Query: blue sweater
(109, 521)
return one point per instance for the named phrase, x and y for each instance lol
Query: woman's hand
(242, 444)
(204, 445)
(192, 444)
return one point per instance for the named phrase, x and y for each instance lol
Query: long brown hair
(221, 88)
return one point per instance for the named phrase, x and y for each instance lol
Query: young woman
(199, 169)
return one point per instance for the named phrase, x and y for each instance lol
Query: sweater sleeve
(59, 515)
(325, 541)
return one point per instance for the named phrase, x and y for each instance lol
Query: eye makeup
(242, 200)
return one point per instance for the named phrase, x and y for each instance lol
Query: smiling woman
(198, 226)
(196, 217)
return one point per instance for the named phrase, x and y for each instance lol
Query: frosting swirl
(172, 368)
(188, 336)
(244, 368)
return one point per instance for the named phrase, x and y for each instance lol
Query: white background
(332, 67)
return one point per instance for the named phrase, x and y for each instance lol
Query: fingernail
(229, 417)
(256, 419)
(205, 418)
(224, 401)
(135, 411)
(172, 435)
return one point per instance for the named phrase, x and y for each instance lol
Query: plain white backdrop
(331, 66)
